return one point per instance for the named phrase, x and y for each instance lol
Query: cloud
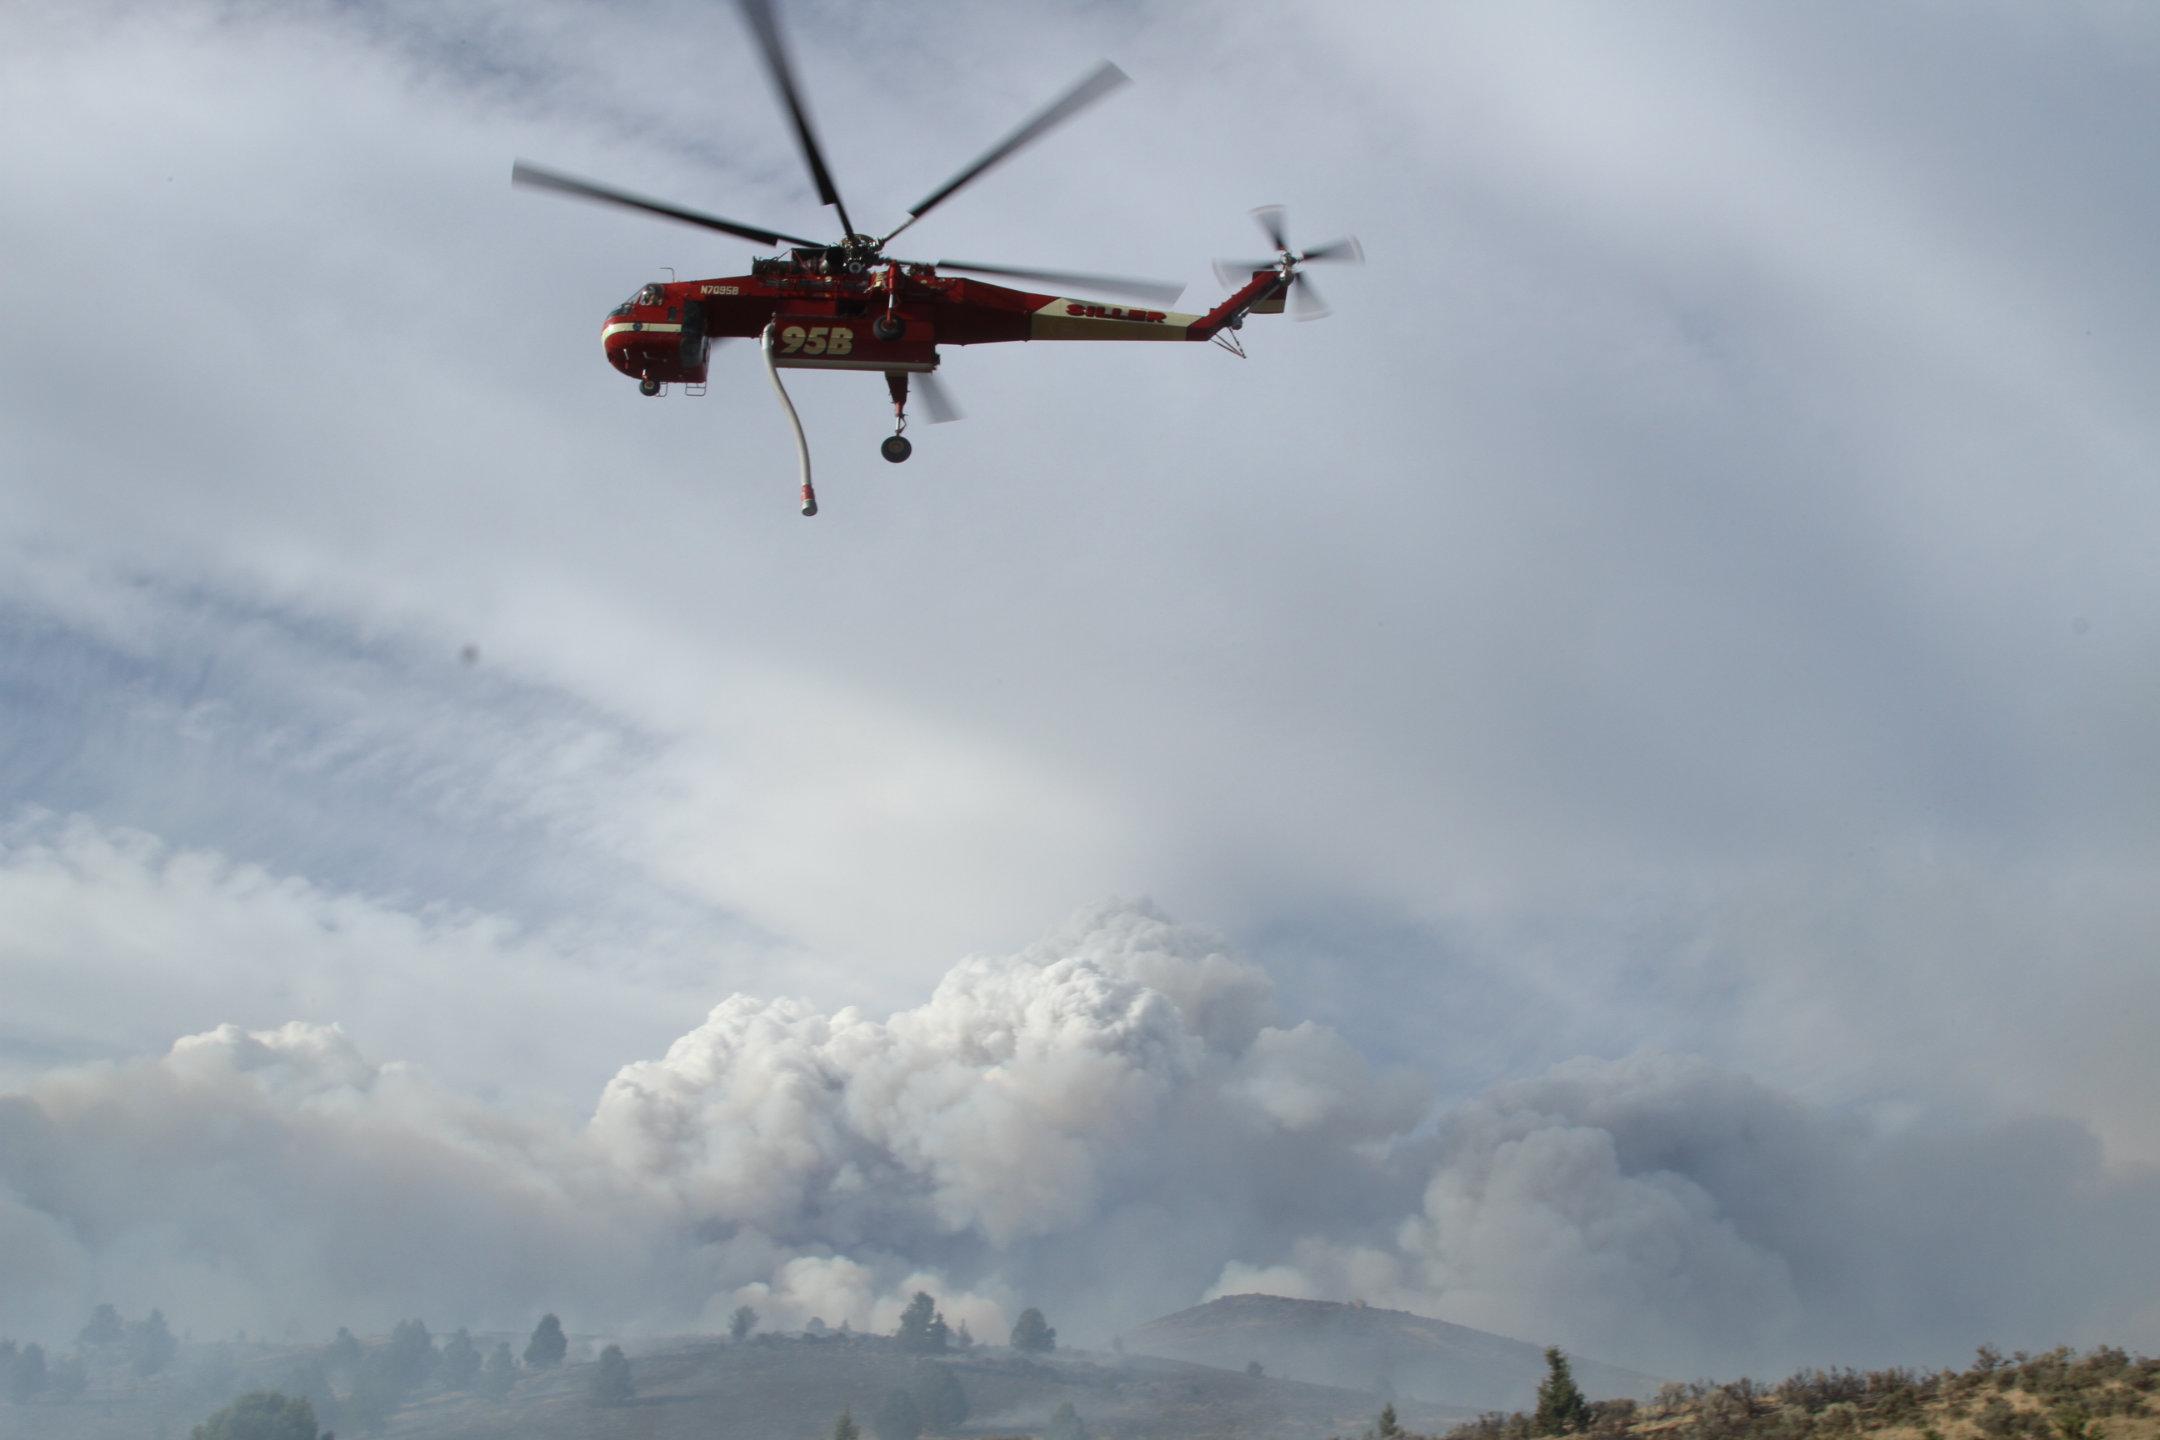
(1051, 1128)
(1665, 1213)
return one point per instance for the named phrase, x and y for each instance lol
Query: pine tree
(262, 1415)
(548, 1344)
(151, 1346)
(411, 1351)
(741, 1323)
(500, 1372)
(1065, 1424)
(344, 1352)
(460, 1360)
(611, 1378)
(1561, 1408)
(922, 1329)
(26, 1377)
(845, 1427)
(105, 1328)
(940, 1398)
(898, 1418)
(70, 1377)
(1033, 1334)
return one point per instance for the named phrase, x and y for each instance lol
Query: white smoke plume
(1107, 1124)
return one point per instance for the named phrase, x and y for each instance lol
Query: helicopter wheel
(896, 448)
(886, 328)
(648, 387)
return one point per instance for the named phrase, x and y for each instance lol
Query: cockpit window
(650, 295)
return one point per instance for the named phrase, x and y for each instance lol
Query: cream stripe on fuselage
(1091, 320)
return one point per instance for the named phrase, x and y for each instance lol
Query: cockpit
(649, 296)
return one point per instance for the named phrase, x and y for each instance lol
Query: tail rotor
(1304, 297)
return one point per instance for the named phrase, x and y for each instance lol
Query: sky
(1604, 791)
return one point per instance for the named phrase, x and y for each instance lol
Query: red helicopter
(847, 305)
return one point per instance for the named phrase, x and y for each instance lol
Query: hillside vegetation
(2105, 1394)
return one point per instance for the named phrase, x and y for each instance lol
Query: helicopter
(848, 305)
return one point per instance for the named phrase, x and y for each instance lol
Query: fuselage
(890, 318)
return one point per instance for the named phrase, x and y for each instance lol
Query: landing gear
(896, 447)
(888, 327)
(648, 386)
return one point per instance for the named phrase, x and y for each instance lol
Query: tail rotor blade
(1237, 272)
(1270, 220)
(1345, 251)
(936, 399)
(1305, 301)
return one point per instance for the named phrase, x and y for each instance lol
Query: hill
(781, 1387)
(1365, 1348)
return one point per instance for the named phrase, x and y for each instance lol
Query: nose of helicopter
(620, 335)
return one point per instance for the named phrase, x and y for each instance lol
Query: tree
(378, 1388)
(308, 1378)
(741, 1323)
(1033, 1334)
(963, 1338)
(898, 1418)
(611, 1378)
(460, 1360)
(262, 1415)
(845, 1427)
(344, 1352)
(70, 1377)
(26, 1377)
(2074, 1422)
(1561, 1409)
(1389, 1427)
(922, 1329)
(943, 1403)
(500, 1372)
(1065, 1424)
(151, 1346)
(1255, 1369)
(105, 1328)
(411, 1351)
(548, 1344)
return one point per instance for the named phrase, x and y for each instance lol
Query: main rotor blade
(936, 399)
(759, 14)
(524, 174)
(1162, 292)
(1092, 87)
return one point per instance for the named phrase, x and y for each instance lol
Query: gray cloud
(1109, 1121)
(1664, 1212)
